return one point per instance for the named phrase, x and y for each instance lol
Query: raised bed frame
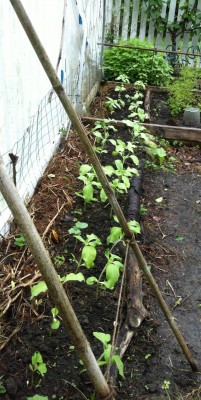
(169, 132)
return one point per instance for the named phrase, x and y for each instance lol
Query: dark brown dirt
(170, 242)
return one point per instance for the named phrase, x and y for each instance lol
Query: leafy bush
(181, 94)
(137, 64)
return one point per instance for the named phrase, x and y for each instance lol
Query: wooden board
(166, 131)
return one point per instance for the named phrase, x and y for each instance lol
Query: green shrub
(181, 94)
(137, 64)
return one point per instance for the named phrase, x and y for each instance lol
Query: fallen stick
(136, 312)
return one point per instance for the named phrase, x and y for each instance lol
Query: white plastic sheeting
(29, 126)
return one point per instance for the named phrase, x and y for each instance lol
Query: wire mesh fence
(29, 156)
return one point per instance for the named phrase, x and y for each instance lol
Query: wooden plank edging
(166, 131)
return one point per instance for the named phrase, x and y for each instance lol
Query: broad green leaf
(119, 165)
(126, 181)
(91, 280)
(85, 168)
(73, 277)
(88, 192)
(89, 255)
(81, 225)
(134, 226)
(134, 159)
(42, 369)
(115, 234)
(103, 337)
(109, 170)
(38, 288)
(55, 324)
(93, 239)
(36, 358)
(112, 275)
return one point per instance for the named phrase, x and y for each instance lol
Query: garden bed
(155, 367)
(160, 123)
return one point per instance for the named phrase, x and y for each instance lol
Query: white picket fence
(127, 19)
(31, 118)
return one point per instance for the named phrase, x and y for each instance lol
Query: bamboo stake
(56, 290)
(155, 50)
(80, 130)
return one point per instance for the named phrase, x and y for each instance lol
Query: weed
(20, 241)
(59, 260)
(37, 365)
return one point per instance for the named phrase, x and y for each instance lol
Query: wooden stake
(80, 130)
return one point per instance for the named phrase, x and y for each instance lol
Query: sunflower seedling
(104, 359)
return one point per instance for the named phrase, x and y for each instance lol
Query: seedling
(87, 175)
(104, 359)
(113, 104)
(59, 260)
(89, 252)
(20, 241)
(55, 324)
(125, 150)
(166, 386)
(147, 356)
(37, 365)
(101, 132)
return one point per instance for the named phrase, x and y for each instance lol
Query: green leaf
(134, 226)
(93, 239)
(91, 280)
(85, 168)
(106, 353)
(112, 274)
(120, 366)
(179, 238)
(88, 192)
(2, 389)
(109, 170)
(134, 159)
(115, 234)
(103, 337)
(38, 288)
(89, 255)
(36, 358)
(42, 369)
(81, 225)
(55, 324)
(103, 196)
(73, 277)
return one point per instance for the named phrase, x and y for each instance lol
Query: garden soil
(155, 367)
